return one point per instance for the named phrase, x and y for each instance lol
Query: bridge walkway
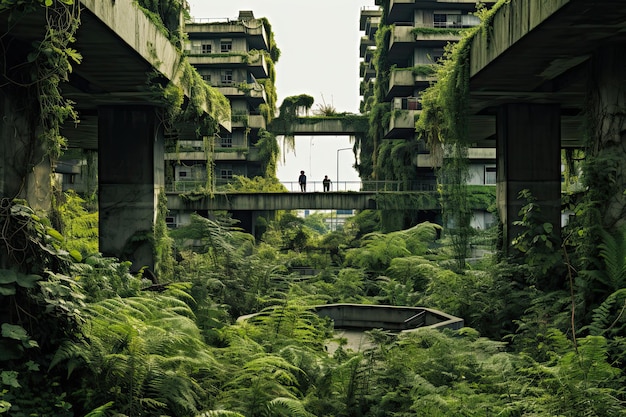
(371, 195)
(342, 125)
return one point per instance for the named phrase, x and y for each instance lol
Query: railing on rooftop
(198, 20)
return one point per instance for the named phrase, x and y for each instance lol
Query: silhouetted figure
(302, 181)
(326, 183)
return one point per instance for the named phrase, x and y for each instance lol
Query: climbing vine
(46, 64)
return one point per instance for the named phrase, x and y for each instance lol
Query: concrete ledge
(395, 318)
(363, 317)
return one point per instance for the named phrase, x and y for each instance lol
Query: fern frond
(75, 353)
(613, 251)
(289, 406)
(100, 411)
(607, 314)
(220, 413)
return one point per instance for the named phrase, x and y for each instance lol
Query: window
(227, 76)
(447, 20)
(490, 175)
(226, 45)
(226, 174)
(439, 20)
(226, 142)
(206, 48)
(207, 78)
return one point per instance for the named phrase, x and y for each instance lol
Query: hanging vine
(46, 64)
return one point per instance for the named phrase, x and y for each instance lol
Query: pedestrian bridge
(345, 195)
(340, 200)
(343, 125)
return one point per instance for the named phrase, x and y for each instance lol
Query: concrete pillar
(528, 157)
(130, 173)
(25, 168)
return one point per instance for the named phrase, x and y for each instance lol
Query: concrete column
(25, 168)
(528, 157)
(130, 173)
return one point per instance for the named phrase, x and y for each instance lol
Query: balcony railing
(407, 103)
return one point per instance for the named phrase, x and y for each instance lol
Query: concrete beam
(294, 201)
(319, 126)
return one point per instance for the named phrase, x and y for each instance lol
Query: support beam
(528, 157)
(130, 171)
(25, 168)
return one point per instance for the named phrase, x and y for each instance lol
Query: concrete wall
(510, 24)
(398, 318)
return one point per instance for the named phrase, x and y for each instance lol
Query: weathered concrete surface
(537, 51)
(293, 201)
(129, 181)
(317, 126)
(395, 318)
(275, 201)
(120, 47)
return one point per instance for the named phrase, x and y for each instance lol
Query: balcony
(230, 154)
(476, 155)
(365, 44)
(365, 86)
(427, 160)
(404, 112)
(367, 13)
(400, 11)
(257, 65)
(254, 93)
(401, 45)
(430, 39)
(252, 121)
(371, 27)
(367, 71)
(369, 54)
(253, 30)
(402, 124)
(254, 62)
(403, 82)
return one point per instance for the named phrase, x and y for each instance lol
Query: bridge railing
(375, 186)
(317, 186)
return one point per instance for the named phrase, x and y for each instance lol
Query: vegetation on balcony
(437, 31)
(425, 70)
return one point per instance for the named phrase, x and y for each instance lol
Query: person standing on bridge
(302, 181)
(326, 183)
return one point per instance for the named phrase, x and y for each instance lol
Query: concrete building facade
(419, 33)
(230, 55)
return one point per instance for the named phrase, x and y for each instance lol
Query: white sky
(319, 43)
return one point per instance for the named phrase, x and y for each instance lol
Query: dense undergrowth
(81, 335)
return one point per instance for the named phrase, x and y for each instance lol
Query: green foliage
(166, 15)
(378, 250)
(147, 354)
(110, 347)
(539, 243)
(163, 253)
(255, 185)
(294, 106)
(78, 226)
(436, 31)
(269, 151)
(417, 200)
